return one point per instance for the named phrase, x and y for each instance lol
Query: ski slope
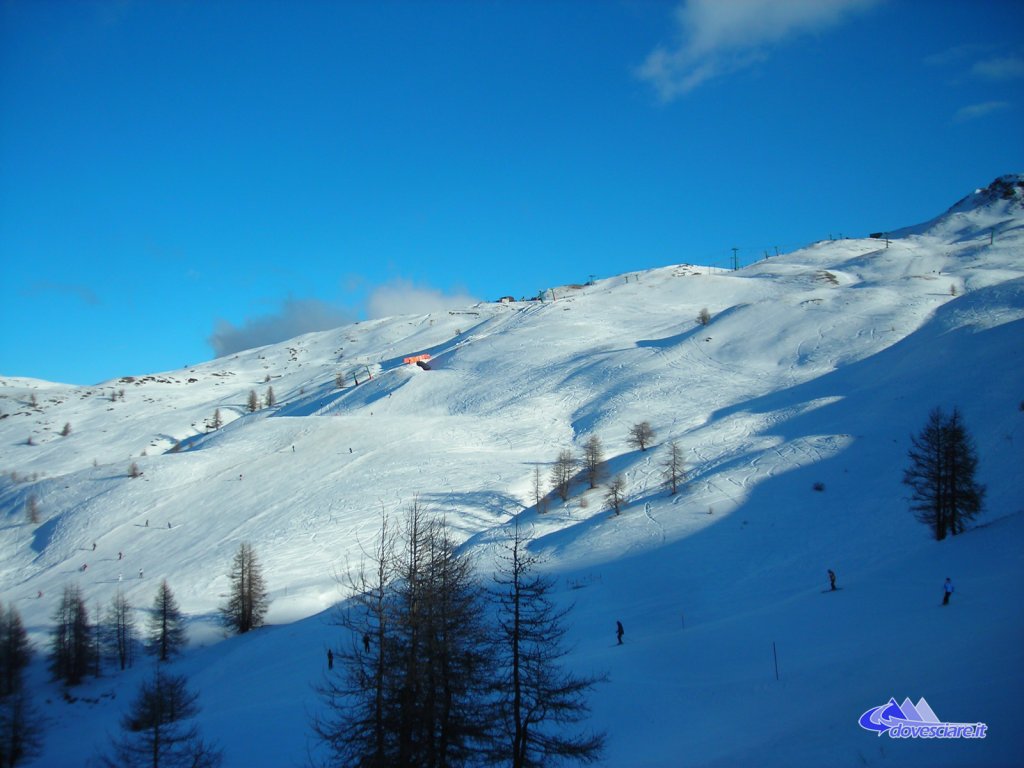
(815, 369)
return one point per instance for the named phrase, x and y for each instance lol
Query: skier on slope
(947, 590)
(619, 631)
(832, 579)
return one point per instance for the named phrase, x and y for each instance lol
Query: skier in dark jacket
(947, 590)
(832, 579)
(619, 631)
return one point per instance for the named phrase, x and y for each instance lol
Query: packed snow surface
(793, 406)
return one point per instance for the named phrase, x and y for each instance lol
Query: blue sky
(180, 180)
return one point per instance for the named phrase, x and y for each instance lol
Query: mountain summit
(988, 210)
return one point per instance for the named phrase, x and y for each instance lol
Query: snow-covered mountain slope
(814, 370)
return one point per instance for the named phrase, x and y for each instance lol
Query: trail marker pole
(775, 656)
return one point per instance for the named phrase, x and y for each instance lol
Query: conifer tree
(442, 648)
(166, 625)
(32, 509)
(157, 731)
(616, 493)
(71, 640)
(562, 472)
(120, 632)
(593, 458)
(356, 723)
(20, 722)
(15, 651)
(941, 474)
(539, 497)
(538, 699)
(20, 729)
(674, 467)
(247, 600)
(416, 667)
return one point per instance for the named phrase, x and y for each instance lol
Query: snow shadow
(946, 350)
(479, 511)
(43, 535)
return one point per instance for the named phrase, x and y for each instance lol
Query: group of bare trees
(437, 670)
(254, 402)
(566, 467)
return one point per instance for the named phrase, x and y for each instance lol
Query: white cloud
(402, 297)
(297, 316)
(1000, 68)
(716, 37)
(975, 111)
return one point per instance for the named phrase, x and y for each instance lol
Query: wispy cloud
(956, 54)
(999, 68)
(976, 111)
(401, 297)
(83, 293)
(297, 316)
(717, 37)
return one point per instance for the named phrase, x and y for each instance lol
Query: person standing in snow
(947, 590)
(140, 573)
(330, 659)
(619, 631)
(832, 579)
